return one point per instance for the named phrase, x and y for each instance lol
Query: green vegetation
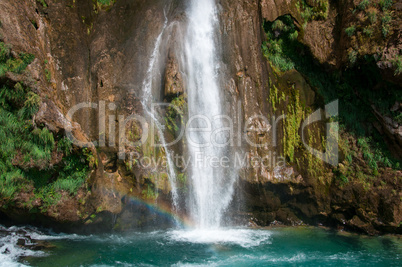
(106, 2)
(352, 56)
(102, 4)
(385, 4)
(27, 155)
(73, 174)
(354, 87)
(397, 63)
(350, 31)
(279, 45)
(150, 193)
(273, 95)
(317, 12)
(372, 16)
(378, 19)
(11, 64)
(363, 5)
(294, 117)
(385, 23)
(43, 3)
(368, 31)
(176, 112)
(48, 74)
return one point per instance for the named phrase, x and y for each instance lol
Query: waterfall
(147, 101)
(211, 186)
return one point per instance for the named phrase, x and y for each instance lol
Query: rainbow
(161, 209)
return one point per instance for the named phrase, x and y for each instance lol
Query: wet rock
(391, 130)
(21, 242)
(41, 245)
(173, 78)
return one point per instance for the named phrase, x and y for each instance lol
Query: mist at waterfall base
(303, 246)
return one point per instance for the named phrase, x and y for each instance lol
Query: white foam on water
(10, 252)
(243, 237)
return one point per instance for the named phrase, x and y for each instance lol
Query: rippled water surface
(230, 247)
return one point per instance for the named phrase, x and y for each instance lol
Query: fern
(363, 4)
(65, 146)
(385, 4)
(350, 31)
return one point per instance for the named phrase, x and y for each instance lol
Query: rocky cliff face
(308, 190)
(88, 52)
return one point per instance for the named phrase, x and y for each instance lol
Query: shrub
(26, 154)
(318, 12)
(68, 185)
(4, 52)
(278, 25)
(397, 63)
(31, 105)
(385, 4)
(363, 5)
(283, 63)
(65, 146)
(293, 36)
(350, 87)
(9, 63)
(9, 184)
(73, 174)
(385, 23)
(368, 31)
(274, 48)
(350, 31)
(372, 16)
(353, 56)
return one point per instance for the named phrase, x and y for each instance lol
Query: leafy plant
(26, 155)
(363, 5)
(385, 23)
(65, 146)
(9, 63)
(317, 12)
(350, 87)
(43, 3)
(385, 4)
(372, 16)
(352, 56)
(397, 63)
(150, 193)
(176, 111)
(368, 31)
(48, 75)
(350, 31)
(277, 46)
(278, 25)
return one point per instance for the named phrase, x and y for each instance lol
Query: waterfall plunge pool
(300, 246)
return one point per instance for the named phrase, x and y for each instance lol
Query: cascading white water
(211, 186)
(147, 101)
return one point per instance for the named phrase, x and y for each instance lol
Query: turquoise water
(305, 246)
(233, 247)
